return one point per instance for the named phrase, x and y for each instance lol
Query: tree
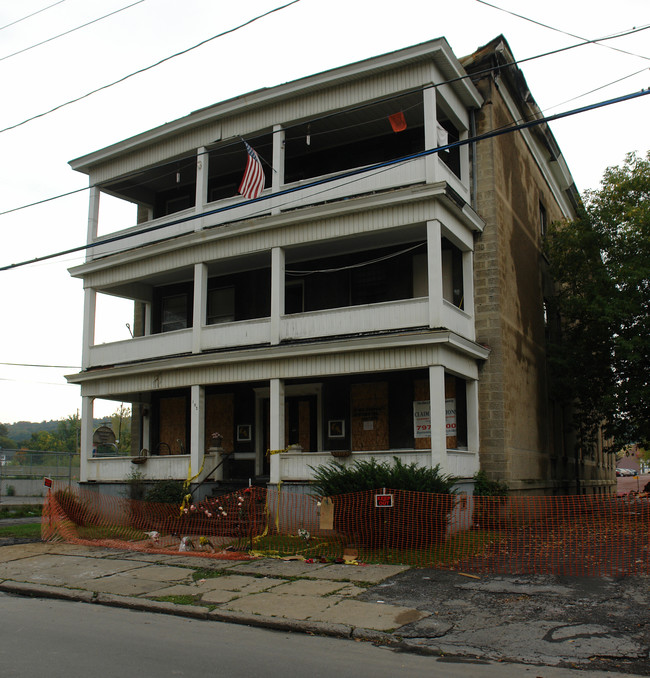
(600, 357)
(6, 442)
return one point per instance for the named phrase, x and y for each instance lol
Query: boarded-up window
(172, 427)
(369, 416)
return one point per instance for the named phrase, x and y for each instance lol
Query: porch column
(468, 288)
(90, 308)
(434, 264)
(201, 185)
(86, 436)
(277, 293)
(93, 219)
(200, 304)
(471, 388)
(431, 134)
(276, 426)
(277, 179)
(197, 427)
(438, 418)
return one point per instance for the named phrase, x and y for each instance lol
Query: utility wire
(558, 30)
(148, 68)
(57, 367)
(17, 21)
(327, 180)
(72, 30)
(349, 110)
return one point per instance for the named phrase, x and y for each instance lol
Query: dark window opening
(456, 412)
(353, 139)
(452, 274)
(164, 190)
(172, 307)
(239, 296)
(543, 219)
(352, 280)
(450, 157)
(226, 166)
(221, 305)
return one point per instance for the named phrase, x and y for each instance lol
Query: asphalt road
(62, 639)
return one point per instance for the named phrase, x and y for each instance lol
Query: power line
(72, 30)
(57, 367)
(327, 180)
(355, 108)
(17, 21)
(148, 68)
(558, 30)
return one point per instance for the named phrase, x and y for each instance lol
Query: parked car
(625, 472)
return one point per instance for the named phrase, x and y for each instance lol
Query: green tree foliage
(63, 439)
(6, 442)
(600, 358)
(121, 425)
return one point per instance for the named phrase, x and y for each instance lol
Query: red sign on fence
(47, 482)
(383, 501)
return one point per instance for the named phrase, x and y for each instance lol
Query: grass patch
(179, 600)
(28, 531)
(21, 512)
(456, 547)
(124, 533)
(206, 573)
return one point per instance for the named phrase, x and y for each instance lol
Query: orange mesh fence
(571, 535)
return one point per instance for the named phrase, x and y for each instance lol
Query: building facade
(379, 298)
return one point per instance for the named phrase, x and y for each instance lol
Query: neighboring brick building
(362, 303)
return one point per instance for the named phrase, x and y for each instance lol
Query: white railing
(391, 315)
(350, 320)
(298, 466)
(140, 348)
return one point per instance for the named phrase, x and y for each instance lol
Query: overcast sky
(42, 305)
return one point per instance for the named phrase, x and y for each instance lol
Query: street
(64, 639)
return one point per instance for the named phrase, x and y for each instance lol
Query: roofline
(446, 61)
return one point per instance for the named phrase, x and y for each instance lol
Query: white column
(200, 304)
(434, 263)
(277, 293)
(438, 419)
(431, 134)
(276, 416)
(277, 180)
(201, 185)
(468, 288)
(148, 318)
(86, 437)
(88, 340)
(93, 219)
(197, 427)
(471, 387)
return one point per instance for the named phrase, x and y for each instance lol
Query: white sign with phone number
(422, 418)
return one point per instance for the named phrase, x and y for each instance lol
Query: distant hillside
(22, 431)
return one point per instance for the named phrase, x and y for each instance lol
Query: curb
(198, 612)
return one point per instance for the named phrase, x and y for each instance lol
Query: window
(221, 305)
(452, 274)
(174, 313)
(294, 300)
(543, 219)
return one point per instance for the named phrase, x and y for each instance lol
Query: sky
(42, 305)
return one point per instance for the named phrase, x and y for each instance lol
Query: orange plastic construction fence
(568, 535)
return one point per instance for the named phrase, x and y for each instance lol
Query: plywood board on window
(173, 425)
(220, 418)
(369, 416)
(421, 392)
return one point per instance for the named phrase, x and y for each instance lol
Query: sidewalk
(576, 623)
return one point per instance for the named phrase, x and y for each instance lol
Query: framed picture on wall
(243, 433)
(336, 428)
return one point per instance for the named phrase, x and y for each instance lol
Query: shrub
(336, 478)
(413, 522)
(484, 487)
(11, 490)
(166, 492)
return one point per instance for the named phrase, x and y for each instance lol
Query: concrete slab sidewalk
(595, 623)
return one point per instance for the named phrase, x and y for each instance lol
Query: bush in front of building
(423, 498)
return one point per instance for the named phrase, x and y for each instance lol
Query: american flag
(252, 183)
